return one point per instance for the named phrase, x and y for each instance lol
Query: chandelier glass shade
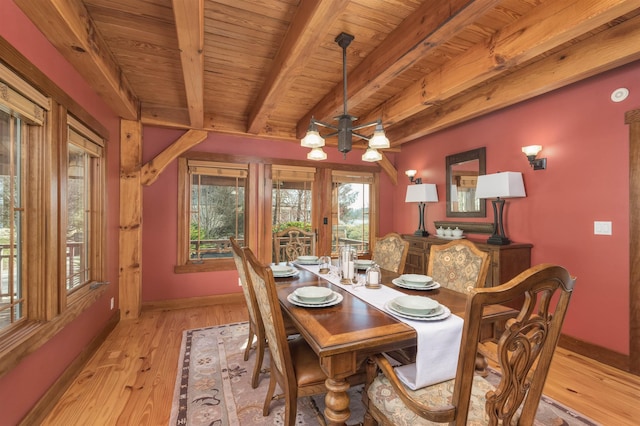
(345, 130)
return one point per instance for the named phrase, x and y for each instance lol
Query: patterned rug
(213, 387)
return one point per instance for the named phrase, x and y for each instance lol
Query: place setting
(363, 264)
(417, 308)
(307, 260)
(284, 271)
(415, 282)
(314, 297)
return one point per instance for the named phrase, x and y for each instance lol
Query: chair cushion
(305, 363)
(382, 395)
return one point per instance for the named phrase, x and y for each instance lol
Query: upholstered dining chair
(523, 355)
(294, 365)
(390, 252)
(292, 242)
(458, 265)
(256, 328)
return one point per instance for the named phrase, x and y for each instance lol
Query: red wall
(159, 234)
(21, 388)
(585, 140)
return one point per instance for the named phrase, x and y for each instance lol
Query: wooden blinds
(211, 168)
(293, 173)
(339, 176)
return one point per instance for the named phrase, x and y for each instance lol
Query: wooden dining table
(346, 334)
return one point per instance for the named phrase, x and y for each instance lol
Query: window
(84, 186)
(350, 209)
(215, 195)
(12, 294)
(52, 192)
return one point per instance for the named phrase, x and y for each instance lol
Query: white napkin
(438, 341)
(437, 356)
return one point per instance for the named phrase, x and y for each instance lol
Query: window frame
(48, 309)
(184, 264)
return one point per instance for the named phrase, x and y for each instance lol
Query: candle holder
(325, 265)
(347, 264)
(374, 277)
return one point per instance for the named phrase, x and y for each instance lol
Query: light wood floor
(130, 379)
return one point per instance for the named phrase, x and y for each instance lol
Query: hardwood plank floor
(130, 380)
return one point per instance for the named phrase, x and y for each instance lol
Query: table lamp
(421, 193)
(499, 186)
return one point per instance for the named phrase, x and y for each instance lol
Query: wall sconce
(531, 151)
(411, 174)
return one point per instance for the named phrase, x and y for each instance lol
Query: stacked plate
(416, 282)
(417, 308)
(282, 271)
(308, 260)
(314, 297)
(363, 263)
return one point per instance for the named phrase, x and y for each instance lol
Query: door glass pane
(350, 216)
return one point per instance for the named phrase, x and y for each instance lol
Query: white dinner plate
(333, 300)
(364, 263)
(414, 305)
(445, 314)
(439, 310)
(432, 286)
(307, 262)
(293, 273)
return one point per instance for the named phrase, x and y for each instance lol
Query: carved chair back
(292, 242)
(524, 352)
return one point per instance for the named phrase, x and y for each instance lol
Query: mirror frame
(474, 154)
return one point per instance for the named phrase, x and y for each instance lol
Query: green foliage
(357, 232)
(302, 225)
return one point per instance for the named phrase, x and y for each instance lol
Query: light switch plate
(601, 228)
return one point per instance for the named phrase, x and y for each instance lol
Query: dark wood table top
(353, 324)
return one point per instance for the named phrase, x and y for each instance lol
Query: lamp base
(498, 240)
(420, 233)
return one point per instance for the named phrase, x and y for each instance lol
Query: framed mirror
(462, 171)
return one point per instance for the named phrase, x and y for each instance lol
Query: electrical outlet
(601, 228)
(113, 303)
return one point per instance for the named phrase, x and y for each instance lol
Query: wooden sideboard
(506, 261)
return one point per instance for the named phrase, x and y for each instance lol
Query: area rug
(213, 387)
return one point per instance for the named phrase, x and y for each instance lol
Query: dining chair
(523, 355)
(390, 252)
(256, 328)
(294, 365)
(292, 242)
(458, 265)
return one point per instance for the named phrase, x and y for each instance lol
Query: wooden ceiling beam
(68, 26)
(419, 34)
(310, 25)
(189, 17)
(606, 50)
(544, 28)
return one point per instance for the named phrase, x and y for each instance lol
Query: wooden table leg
(337, 401)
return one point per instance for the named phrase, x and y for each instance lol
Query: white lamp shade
(371, 155)
(317, 154)
(503, 185)
(424, 192)
(312, 140)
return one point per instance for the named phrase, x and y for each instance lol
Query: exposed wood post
(130, 253)
(632, 118)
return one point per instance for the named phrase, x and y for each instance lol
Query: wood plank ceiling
(265, 67)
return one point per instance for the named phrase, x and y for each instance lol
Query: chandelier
(345, 130)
